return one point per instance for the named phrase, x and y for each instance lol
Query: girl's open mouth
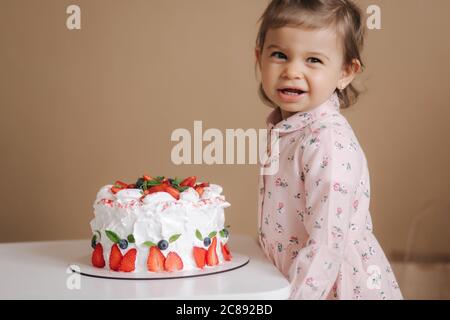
(291, 92)
(291, 95)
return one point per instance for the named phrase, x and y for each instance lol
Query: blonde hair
(344, 15)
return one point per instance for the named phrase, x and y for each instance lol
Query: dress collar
(300, 120)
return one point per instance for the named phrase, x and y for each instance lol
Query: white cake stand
(84, 267)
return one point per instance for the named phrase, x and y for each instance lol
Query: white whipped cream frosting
(159, 216)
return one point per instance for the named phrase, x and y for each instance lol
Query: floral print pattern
(314, 220)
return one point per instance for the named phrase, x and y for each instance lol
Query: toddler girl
(314, 219)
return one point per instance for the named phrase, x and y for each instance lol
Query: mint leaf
(130, 239)
(112, 236)
(174, 237)
(198, 235)
(181, 189)
(153, 183)
(222, 233)
(176, 182)
(149, 244)
(212, 234)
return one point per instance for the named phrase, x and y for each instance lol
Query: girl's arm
(331, 175)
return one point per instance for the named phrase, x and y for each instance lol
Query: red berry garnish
(128, 261)
(199, 190)
(156, 260)
(115, 258)
(211, 256)
(173, 262)
(188, 182)
(115, 190)
(225, 251)
(97, 256)
(200, 257)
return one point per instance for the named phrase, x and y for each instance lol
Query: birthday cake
(159, 225)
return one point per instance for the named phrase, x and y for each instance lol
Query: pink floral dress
(314, 220)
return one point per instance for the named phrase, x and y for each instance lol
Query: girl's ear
(349, 73)
(258, 56)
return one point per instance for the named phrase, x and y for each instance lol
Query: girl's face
(307, 60)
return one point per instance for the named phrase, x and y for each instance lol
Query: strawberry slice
(156, 259)
(225, 251)
(173, 192)
(173, 262)
(164, 188)
(199, 190)
(121, 184)
(97, 256)
(158, 188)
(147, 178)
(200, 257)
(114, 190)
(188, 182)
(115, 258)
(128, 261)
(211, 256)
(203, 184)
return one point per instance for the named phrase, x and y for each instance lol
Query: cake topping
(189, 182)
(148, 185)
(211, 255)
(123, 243)
(200, 257)
(163, 244)
(128, 261)
(115, 258)
(207, 240)
(224, 232)
(97, 256)
(173, 262)
(155, 260)
(225, 251)
(96, 237)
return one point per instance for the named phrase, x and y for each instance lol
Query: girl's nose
(293, 71)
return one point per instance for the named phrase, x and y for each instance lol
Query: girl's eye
(314, 60)
(279, 55)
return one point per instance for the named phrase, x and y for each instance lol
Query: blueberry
(163, 245)
(123, 244)
(207, 241)
(171, 181)
(225, 232)
(139, 183)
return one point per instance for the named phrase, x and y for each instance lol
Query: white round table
(40, 270)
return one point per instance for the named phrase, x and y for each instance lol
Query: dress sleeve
(330, 176)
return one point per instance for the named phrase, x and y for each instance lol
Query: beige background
(80, 109)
